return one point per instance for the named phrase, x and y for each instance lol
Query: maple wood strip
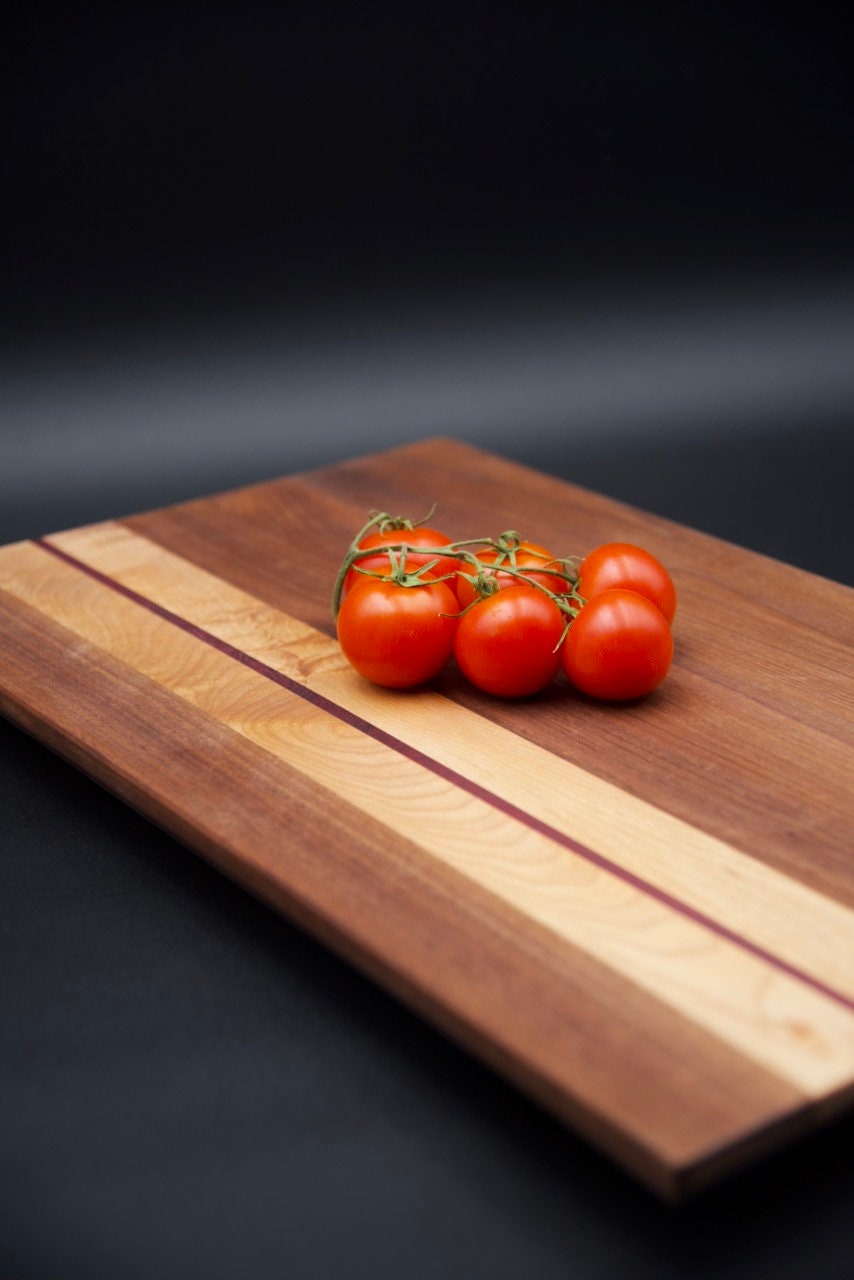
(770, 776)
(777, 1021)
(672, 1103)
(717, 886)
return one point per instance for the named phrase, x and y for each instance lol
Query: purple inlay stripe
(456, 779)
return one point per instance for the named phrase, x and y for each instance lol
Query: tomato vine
(407, 598)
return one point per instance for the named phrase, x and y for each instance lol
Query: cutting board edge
(661, 1176)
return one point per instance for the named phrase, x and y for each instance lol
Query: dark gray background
(609, 240)
(613, 242)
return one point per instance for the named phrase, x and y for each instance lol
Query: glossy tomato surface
(623, 565)
(619, 646)
(397, 636)
(507, 644)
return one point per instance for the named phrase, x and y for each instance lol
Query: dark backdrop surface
(262, 154)
(600, 238)
(612, 241)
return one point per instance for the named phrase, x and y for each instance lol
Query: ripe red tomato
(619, 646)
(528, 556)
(507, 644)
(397, 636)
(621, 564)
(431, 539)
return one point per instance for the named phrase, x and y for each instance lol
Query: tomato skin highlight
(623, 565)
(507, 644)
(527, 556)
(431, 540)
(396, 636)
(619, 647)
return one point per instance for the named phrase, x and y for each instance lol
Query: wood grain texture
(642, 915)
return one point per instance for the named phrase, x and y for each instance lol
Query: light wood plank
(775, 1020)
(543, 1013)
(710, 876)
(533, 1008)
(770, 775)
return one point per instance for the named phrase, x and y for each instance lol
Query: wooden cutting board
(641, 914)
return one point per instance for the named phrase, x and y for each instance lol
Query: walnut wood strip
(716, 885)
(777, 1021)
(542, 1012)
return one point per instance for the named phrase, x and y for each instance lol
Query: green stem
(505, 547)
(376, 519)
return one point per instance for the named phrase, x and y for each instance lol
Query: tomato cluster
(510, 613)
